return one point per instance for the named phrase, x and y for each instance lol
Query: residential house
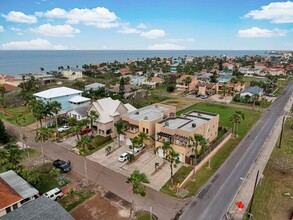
(125, 71)
(138, 80)
(11, 80)
(67, 97)
(272, 71)
(178, 131)
(10, 88)
(189, 59)
(153, 82)
(228, 66)
(234, 88)
(109, 112)
(94, 86)
(250, 91)
(39, 209)
(183, 86)
(173, 67)
(46, 78)
(206, 88)
(14, 192)
(144, 120)
(259, 66)
(79, 113)
(72, 73)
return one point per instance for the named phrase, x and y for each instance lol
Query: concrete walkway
(246, 190)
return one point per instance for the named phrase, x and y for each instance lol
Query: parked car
(63, 128)
(54, 194)
(85, 131)
(124, 156)
(139, 148)
(62, 165)
(204, 97)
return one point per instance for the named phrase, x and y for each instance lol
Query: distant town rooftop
(189, 121)
(148, 113)
(57, 92)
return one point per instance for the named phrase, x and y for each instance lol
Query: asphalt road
(214, 199)
(162, 206)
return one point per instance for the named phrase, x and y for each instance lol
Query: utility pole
(281, 135)
(250, 207)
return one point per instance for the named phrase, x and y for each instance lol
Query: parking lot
(144, 162)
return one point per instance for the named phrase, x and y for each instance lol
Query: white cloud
(153, 34)
(19, 17)
(37, 44)
(15, 29)
(264, 33)
(128, 30)
(277, 12)
(141, 26)
(65, 30)
(1, 28)
(99, 17)
(175, 40)
(165, 46)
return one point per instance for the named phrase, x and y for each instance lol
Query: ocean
(15, 62)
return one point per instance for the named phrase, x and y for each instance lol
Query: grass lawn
(99, 142)
(178, 177)
(47, 181)
(16, 111)
(225, 113)
(75, 198)
(270, 201)
(264, 104)
(143, 215)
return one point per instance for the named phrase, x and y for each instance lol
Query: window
(8, 209)
(15, 206)
(143, 129)
(147, 130)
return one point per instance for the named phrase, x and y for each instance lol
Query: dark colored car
(85, 131)
(62, 165)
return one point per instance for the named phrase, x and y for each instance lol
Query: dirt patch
(179, 102)
(99, 208)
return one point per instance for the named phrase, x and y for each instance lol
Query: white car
(139, 148)
(54, 194)
(63, 128)
(124, 156)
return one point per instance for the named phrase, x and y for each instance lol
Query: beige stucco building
(72, 74)
(181, 85)
(145, 119)
(178, 131)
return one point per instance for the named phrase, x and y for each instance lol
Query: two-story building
(109, 111)
(72, 73)
(144, 119)
(206, 88)
(182, 85)
(14, 192)
(178, 131)
(68, 98)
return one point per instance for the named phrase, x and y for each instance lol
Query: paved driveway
(144, 162)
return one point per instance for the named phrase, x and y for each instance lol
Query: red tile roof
(7, 195)
(9, 87)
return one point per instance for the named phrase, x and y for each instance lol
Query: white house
(94, 86)
(67, 97)
(109, 112)
(79, 113)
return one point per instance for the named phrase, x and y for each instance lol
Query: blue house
(68, 98)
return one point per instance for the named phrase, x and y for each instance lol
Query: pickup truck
(63, 128)
(62, 165)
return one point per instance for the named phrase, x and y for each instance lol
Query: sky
(146, 25)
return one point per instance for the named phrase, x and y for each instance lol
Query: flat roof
(39, 209)
(18, 184)
(78, 99)
(57, 92)
(148, 113)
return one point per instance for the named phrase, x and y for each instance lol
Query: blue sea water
(14, 62)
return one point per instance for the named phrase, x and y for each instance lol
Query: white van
(54, 194)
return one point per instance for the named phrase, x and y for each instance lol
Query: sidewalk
(246, 190)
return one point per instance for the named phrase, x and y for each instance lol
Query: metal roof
(22, 187)
(39, 209)
(57, 92)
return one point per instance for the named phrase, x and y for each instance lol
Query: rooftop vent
(137, 113)
(193, 125)
(166, 124)
(156, 106)
(146, 118)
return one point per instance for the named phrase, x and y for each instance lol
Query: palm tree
(55, 107)
(188, 80)
(136, 179)
(93, 116)
(236, 119)
(38, 107)
(171, 156)
(197, 140)
(135, 142)
(225, 91)
(119, 128)
(20, 119)
(255, 98)
(10, 158)
(42, 135)
(83, 146)
(2, 93)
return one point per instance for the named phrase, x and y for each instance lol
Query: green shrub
(101, 140)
